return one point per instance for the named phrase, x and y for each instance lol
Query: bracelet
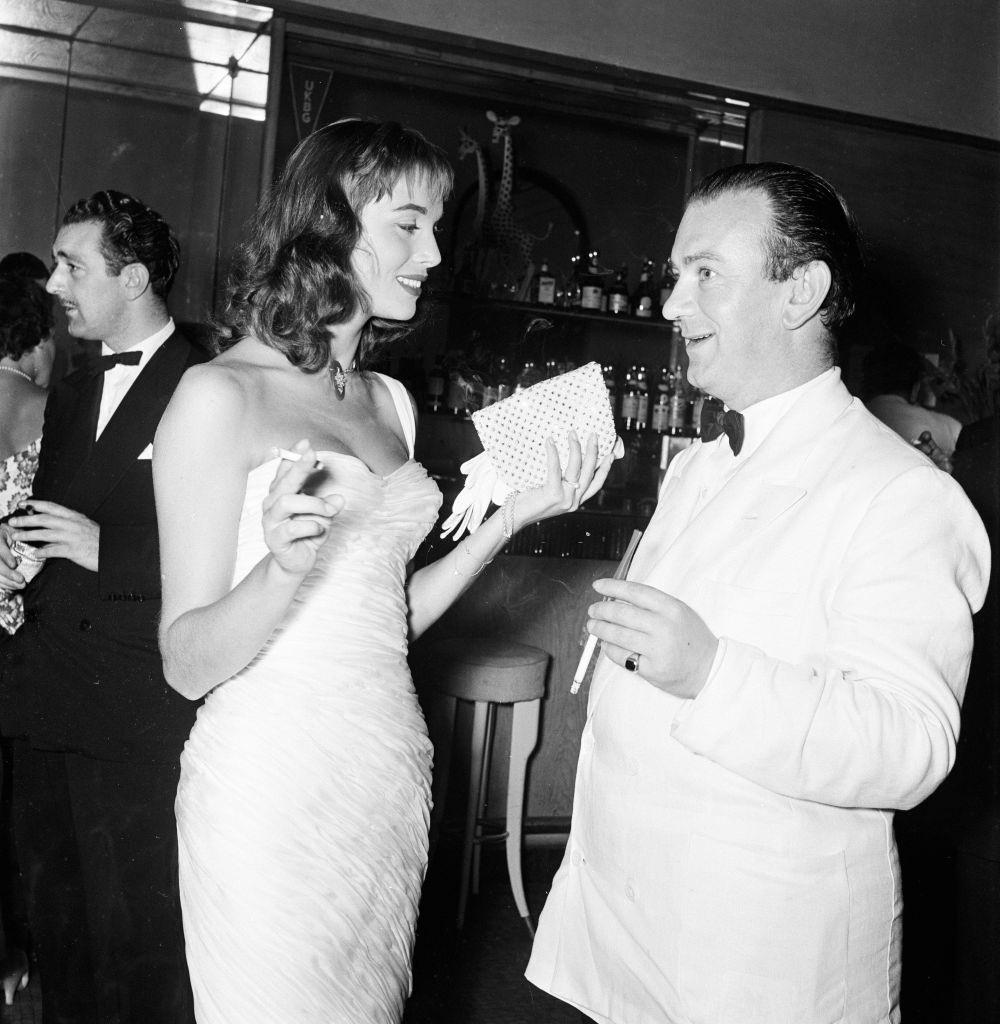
(507, 515)
(469, 575)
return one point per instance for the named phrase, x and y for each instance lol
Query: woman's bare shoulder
(230, 398)
(233, 377)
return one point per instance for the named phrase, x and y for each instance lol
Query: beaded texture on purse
(513, 434)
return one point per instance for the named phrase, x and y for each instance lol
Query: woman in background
(26, 355)
(27, 352)
(289, 508)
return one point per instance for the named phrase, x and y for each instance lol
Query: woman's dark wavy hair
(132, 233)
(292, 276)
(26, 317)
(809, 221)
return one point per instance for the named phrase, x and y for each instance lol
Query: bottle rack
(472, 302)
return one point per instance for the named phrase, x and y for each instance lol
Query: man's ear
(809, 286)
(135, 277)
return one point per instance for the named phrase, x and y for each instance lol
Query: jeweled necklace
(20, 373)
(339, 376)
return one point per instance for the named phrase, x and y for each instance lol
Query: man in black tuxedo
(99, 732)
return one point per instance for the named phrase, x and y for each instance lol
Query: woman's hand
(564, 490)
(295, 524)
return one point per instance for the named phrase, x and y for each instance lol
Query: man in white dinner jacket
(782, 669)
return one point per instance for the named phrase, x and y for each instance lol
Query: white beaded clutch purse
(513, 434)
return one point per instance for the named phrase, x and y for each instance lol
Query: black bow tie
(104, 363)
(715, 422)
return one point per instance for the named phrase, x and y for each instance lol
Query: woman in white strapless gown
(304, 794)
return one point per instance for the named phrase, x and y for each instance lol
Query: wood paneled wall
(929, 209)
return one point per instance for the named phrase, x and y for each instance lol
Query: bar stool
(487, 671)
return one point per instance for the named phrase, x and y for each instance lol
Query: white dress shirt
(120, 378)
(718, 465)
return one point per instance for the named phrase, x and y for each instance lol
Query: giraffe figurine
(513, 243)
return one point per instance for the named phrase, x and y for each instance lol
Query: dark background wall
(921, 62)
(99, 96)
(930, 210)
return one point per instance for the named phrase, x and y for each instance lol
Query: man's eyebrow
(410, 206)
(705, 254)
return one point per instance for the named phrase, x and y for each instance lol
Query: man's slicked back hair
(131, 233)
(809, 221)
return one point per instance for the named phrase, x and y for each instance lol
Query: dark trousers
(13, 913)
(97, 847)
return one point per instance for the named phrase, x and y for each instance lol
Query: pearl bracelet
(507, 515)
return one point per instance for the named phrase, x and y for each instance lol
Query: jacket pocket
(764, 936)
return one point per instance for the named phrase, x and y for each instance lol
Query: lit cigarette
(591, 645)
(581, 669)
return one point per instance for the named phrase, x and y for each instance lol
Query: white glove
(482, 486)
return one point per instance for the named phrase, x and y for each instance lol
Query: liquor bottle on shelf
(456, 398)
(676, 344)
(543, 286)
(611, 384)
(489, 387)
(504, 388)
(635, 465)
(592, 284)
(489, 393)
(529, 375)
(642, 408)
(695, 401)
(617, 293)
(573, 292)
(677, 404)
(644, 298)
(661, 402)
(630, 399)
(666, 287)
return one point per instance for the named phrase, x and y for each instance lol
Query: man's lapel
(768, 484)
(68, 434)
(131, 428)
(674, 508)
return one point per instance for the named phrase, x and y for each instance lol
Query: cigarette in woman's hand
(290, 456)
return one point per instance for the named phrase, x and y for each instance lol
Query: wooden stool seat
(488, 669)
(486, 672)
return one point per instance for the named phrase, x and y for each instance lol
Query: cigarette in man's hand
(591, 645)
(581, 669)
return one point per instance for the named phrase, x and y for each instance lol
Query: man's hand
(10, 578)
(936, 454)
(675, 647)
(62, 532)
